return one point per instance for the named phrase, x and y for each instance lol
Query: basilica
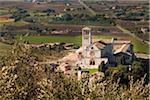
(94, 53)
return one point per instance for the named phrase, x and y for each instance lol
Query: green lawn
(138, 45)
(18, 23)
(91, 71)
(52, 39)
(3, 11)
(148, 42)
(4, 48)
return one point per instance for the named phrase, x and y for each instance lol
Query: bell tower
(86, 37)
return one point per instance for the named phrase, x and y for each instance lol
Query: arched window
(92, 62)
(80, 56)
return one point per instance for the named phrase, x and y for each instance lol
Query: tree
(67, 17)
(102, 67)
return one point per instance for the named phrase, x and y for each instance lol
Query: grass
(138, 45)
(52, 39)
(78, 22)
(148, 42)
(4, 48)
(23, 31)
(13, 23)
(91, 71)
(19, 23)
(3, 11)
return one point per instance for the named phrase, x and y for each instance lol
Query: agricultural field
(135, 27)
(63, 21)
(4, 20)
(4, 48)
(51, 39)
(57, 6)
(3, 12)
(138, 45)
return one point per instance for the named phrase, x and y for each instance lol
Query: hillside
(24, 78)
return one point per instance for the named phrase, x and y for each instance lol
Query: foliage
(122, 71)
(4, 48)
(101, 67)
(49, 11)
(84, 18)
(20, 14)
(51, 52)
(23, 78)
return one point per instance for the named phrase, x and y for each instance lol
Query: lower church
(110, 53)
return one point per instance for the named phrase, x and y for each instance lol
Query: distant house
(59, 15)
(145, 30)
(115, 7)
(68, 4)
(68, 9)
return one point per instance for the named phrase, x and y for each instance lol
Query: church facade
(93, 54)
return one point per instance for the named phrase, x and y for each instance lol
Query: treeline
(19, 14)
(84, 19)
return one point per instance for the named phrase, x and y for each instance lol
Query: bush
(20, 14)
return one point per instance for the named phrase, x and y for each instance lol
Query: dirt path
(129, 33)
(141, 55)
(87, 7)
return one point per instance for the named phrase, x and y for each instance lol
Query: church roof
(118, 46)
(123, 48)
(86, 28)
(100, 44)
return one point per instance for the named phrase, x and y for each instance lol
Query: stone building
(93, 54)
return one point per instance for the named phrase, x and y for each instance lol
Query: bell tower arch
(86, 37)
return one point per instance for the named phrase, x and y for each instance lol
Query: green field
(3, 11)
(18, 23)
(138, 45)
(52, 39)
(4, 48)
(91, 71)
